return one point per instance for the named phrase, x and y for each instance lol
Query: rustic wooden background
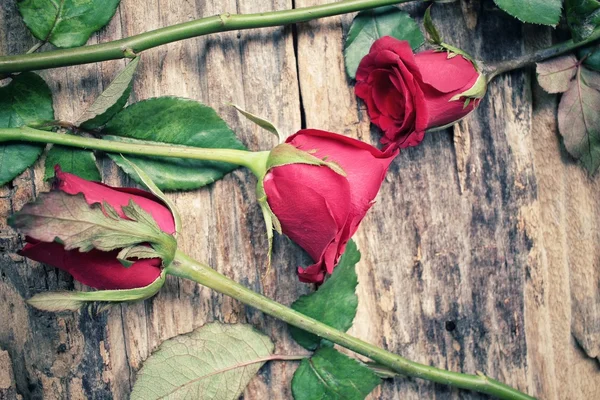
(481, 254)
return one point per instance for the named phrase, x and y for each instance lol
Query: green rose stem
(492, 70)
(133, 45)
(185, 267)
(253, 160)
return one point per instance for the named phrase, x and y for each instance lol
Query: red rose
(407, 93)
(99, 269)
(318, 208)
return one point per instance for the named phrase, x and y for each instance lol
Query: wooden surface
(481, 254)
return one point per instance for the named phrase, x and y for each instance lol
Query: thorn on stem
(129, 53)
(224, 17)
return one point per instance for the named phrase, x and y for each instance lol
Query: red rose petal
(96, 192)
(311, 274)
(97, 269)
(318, 208)
(445, 74)
(364, 165)
(388, 45)
(387, 98)
(311, 203)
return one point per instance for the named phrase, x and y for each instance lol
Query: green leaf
(25, 99)
(263, 123)
(583, 17)
(370, 25)
(555, 75)
(432, 32)
(111, 101)
(591, 56)
(74, 223)
(579, 119)
(213, 362)
(544, 12)
(334, 303)
(76, 161)
(66, 23)
(178, 121)
(331, 375)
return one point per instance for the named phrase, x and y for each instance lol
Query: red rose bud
(407, 94)
(102, 269)
(318, 207)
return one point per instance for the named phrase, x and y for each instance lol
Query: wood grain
(481, 253)
(8, 388)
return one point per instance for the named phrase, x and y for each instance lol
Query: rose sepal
(455, 51)
(271, 220)
(261, 122)
(435, 39)
(73, 301)
(155, 190)
(166, 250)
(433, 35)
(477, 91)
(286, 154)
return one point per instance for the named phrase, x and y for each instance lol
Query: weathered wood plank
(8, 390)
(481, 253)
(457, 265)
(98, 356)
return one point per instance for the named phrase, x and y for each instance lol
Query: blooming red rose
(95, 268)
(407, 93)
(318, 208)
